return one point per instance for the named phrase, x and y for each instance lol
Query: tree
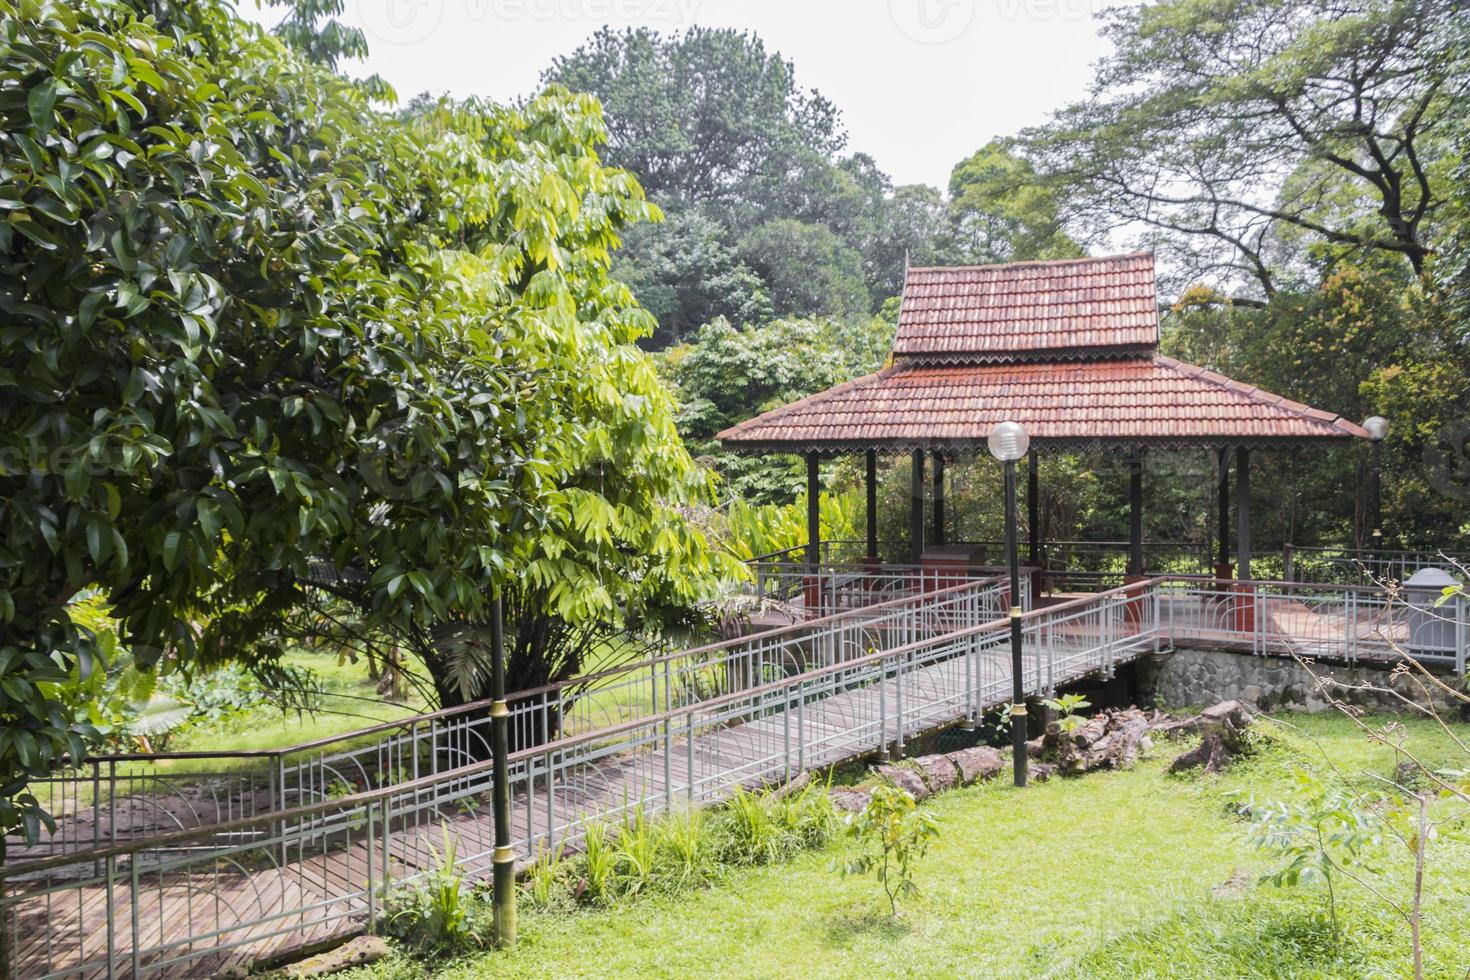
(720, 135)
(263, 343)
(1003, 212)
(1223, 124)
(685, 273)
(726, 373)
(706, 117)
(809, 271)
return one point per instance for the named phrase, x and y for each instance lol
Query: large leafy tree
(706, 117)
(262, 342)
(726, 373)
(1003, 212)
(686, 272)
(1226, 125)
(720, 135)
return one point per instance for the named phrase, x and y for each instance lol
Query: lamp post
(503, 859)
(1008, 443)
(1377, 428)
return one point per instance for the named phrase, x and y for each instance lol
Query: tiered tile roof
(1029, 310)
(1064, 348)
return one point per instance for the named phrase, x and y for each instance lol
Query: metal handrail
(931, 675)
(163, 841)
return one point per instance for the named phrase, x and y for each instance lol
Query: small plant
(685, 848)
(1320, 840)
(636, 854)
(433, 915)
(545, 879)
(1067, 707)
(752, 837)
(893, 834)
(599, 864)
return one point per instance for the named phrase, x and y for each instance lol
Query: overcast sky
(920, 83)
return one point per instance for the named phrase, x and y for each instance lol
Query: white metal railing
(110, 799)
(186, 903)
(1347, 623)
(1365, 566)
(192, 901)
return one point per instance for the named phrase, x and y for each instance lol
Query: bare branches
(1290, 114)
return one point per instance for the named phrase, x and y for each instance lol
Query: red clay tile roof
(1144, 400)
(1025, 310)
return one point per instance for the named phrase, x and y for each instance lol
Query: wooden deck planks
(238, 901)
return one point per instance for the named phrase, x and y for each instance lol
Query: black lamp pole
(1375, 500)
(1018, 693)
(504, 857)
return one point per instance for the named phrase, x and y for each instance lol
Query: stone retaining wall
(1193, 677)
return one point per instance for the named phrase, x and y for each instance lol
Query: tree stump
(1224, 726)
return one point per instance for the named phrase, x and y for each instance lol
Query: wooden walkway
(197, 914)
(266, 906)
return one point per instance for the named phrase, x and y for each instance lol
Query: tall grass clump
(682, 850)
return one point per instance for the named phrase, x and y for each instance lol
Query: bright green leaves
(41, 103)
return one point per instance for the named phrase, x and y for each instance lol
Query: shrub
(893, 834)
(433, 915)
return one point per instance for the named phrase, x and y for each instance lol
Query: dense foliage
(765, 212)
(263, 342)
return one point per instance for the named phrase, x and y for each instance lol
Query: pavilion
(1066, 348)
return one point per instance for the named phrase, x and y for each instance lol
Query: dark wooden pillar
(1033, 509)
(1224, 507)
(872, 487)
(1135, 514)
(1243, 512)
(813, 511)
(916, 508)
(938, 499)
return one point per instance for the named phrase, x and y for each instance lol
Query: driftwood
(1224, 737)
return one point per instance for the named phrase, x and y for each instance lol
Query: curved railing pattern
(194, 901)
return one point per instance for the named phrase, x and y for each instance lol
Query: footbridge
(241, 858)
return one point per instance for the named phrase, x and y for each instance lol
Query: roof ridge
(1031, 262)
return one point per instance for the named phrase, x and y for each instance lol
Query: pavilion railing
(833, 588)
(1365, 566)
(1315, 621)
(117, 798)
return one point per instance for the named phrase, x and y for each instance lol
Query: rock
(1040, 772)
(357, 952)
(904, 778)
(849, 800)
(980, 762)
(938, 772)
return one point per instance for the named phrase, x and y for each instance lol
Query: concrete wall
(1202, 677)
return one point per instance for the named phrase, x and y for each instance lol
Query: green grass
(1115, 874)
(349, 701)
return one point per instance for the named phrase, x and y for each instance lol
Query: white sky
(920, 83)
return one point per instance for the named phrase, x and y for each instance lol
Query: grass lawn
(1115, 874)
(349, 701)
